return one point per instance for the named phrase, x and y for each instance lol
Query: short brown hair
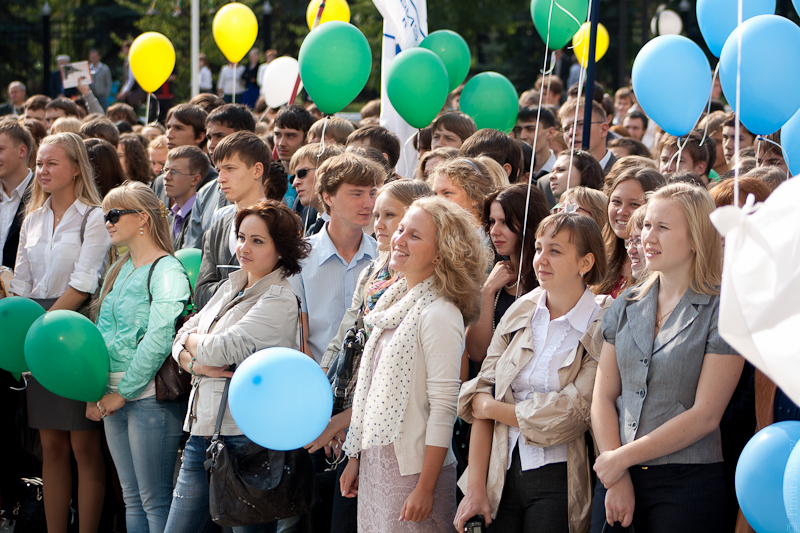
(459, 123)
(286, 231)
(496, 145)
(691, 145)
(633, 146)
(371, 109)
(379, 138)
(568, 110)
(585, 235)
(36, 102)
(722, 193)
(191, 115)
(248, 146)
(198, 161)
(350, 169)
(311, 152)
(69, 107)
(101, 128)
(337, 129)
(207, 102)
(445, 153)
(551, 80)
(18, 135)
(122, 111)
(469, 174)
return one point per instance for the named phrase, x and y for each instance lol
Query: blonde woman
(634, 246)
(496, 171)
(589, 202)
(401, 463)
(463, 181)
(143, 295)
(62, 254)
(665, 378)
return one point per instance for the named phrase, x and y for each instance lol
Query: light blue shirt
(326, 285)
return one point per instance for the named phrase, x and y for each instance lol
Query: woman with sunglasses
(143, 295)
(61, 257)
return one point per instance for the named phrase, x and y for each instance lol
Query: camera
(476, 524)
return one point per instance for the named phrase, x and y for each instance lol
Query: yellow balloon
(580, 43)
(235, 29)
(152, 58)
(334, 10)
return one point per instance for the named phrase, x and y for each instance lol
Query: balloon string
(405, 146)
(736, 135)
(758, 147)
(678, 153)
(533, 159)
(147, 110)
(570, 15)
(322, 141)
(233, 83)
(708, 110)
(317, 20)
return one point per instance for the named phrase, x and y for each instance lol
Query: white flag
(405, 25)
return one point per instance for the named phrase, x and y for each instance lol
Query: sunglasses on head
(114, 214)
(303, 172)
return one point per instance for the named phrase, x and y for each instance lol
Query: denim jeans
(143, 437)
(189, 512)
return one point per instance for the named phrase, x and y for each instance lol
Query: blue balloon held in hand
(281, 399)
(672, 81)
(718, 18)
(760, 476)
(770, 72)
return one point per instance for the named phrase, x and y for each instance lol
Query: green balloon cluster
(335, 63)
(66, 353)
(491, 100)
(453, 50)
(416, 84)
(190, 258)
(16, 317)
(562, 25)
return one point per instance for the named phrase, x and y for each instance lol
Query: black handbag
(345, 367)
(28, 513)
(606, 526)
(254, 485)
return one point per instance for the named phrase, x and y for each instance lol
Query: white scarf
(372, 424)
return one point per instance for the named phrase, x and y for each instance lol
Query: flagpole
(594, 18)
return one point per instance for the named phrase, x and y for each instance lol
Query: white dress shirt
(553, 341)
(9, 206)
(48, 262)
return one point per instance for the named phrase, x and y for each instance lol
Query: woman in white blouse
(530, 404)
(62, 254)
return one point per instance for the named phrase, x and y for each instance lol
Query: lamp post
(267, 10)
(46, 12)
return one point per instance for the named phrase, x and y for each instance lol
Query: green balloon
(491, 100)
(562, 25)
(335, 62)
(416, 83)
(66, 353)
(453, 50)
(190, 258)
(16, 316)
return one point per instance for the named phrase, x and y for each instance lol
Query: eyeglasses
(633, 242)
(303, 172)
(569, 127)
(114, 214)
(168, 171)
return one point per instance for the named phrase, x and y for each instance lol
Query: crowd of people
(523, 332)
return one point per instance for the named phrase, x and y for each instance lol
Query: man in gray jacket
(101, 77)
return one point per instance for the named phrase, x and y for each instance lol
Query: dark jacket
(12, 240)
(216, 253)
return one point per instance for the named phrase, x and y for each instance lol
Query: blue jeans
(143, 437)
(189, 512)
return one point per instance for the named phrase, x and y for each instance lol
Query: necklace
(497, 299)
(660, 320)
(511, 286)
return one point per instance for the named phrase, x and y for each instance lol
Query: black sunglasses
(114, 214)
(303, 172)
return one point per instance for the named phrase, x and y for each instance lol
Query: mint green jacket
(139, 335)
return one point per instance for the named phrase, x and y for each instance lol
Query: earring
(141, 230)
(583, 274)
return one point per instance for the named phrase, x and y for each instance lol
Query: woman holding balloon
(253, 310)
(143, 295)
(401, 464)
(61, 257)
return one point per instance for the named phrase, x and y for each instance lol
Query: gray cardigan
(216, 255)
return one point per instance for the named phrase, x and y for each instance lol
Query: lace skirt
(382, 491)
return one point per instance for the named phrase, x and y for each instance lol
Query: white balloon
(278, 81)
(666, 22)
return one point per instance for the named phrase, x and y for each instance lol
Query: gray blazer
(660, 375)
(216, 256)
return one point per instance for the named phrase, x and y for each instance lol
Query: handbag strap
(150, 275)
(222, 404)
(606, 526)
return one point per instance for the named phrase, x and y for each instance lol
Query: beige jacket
(547, 419)
(263, 316)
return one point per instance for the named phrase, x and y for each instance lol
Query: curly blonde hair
(462, 269)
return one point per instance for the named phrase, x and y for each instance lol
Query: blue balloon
(718, 18)
(760, 475)
(280, 398)
(791, 486)
(770, 72)
(790, 141)
(672, 81)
